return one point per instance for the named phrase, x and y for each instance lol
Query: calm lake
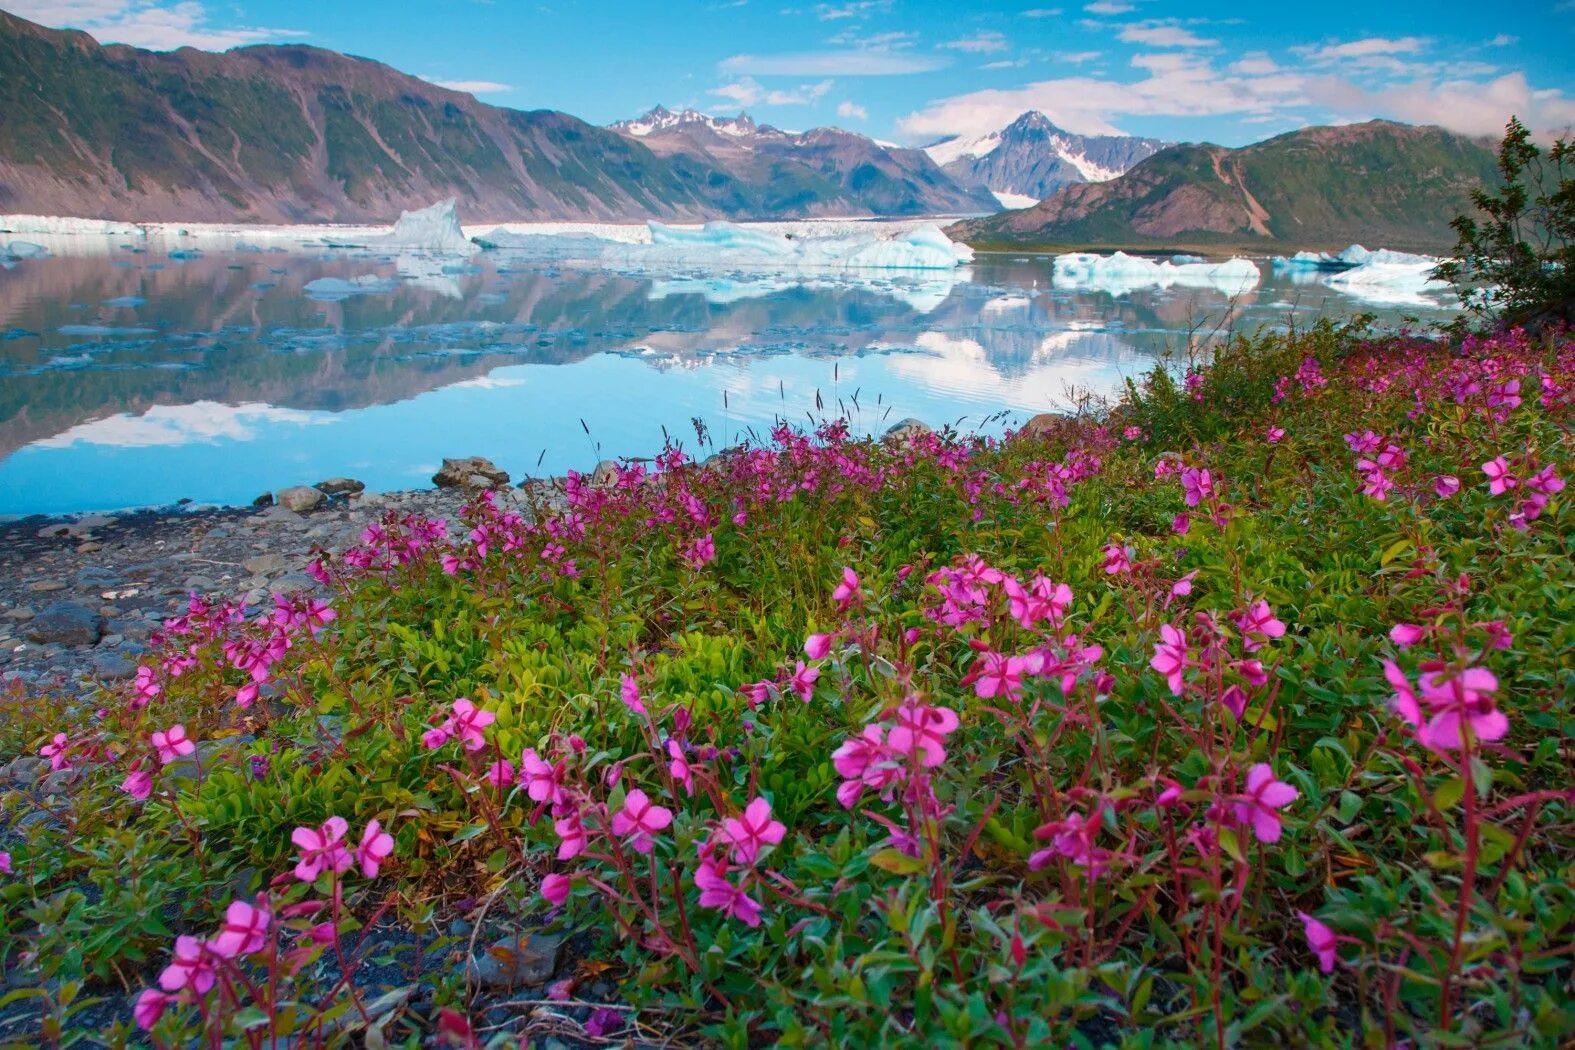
(138, 379)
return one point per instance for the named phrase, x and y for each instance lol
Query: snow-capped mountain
(661, 119)
(822, 171)
(1031, 157)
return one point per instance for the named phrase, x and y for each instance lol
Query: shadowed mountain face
(1379, 183)
(298, 134)
(1031, 157)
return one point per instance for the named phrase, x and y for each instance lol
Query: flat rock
(113, 667)
(472, 472)
(45, 586)
(518, 961)
(341, 486)
(65, 623)
(301, 498)
(265, 564)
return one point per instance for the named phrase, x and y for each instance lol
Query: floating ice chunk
(100, 329)
(726, 237)
(125, 301)
(1121, 273)
(247, 249)
(1392, 278)
(25, 250)
(183, 254)
(333, 289)
(1182, 260)
(432, 229)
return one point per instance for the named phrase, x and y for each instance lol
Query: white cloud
(155, 24)
(1006, 63)
(1076, 58)
(474, 87)
(1156, 34)
(855, 9)
(1368, 47)
(1042, 12)
(852, 111)
(1186, 84)
(750, 92)
(889, 41)
(982, 42)
(1107, 7)
(1502, 40)
(853, 63)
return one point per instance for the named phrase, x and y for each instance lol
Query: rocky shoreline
(80, 595)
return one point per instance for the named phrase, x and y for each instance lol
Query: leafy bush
(1240, 718)
(1517, 262)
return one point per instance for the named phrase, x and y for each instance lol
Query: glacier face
(1121, 273)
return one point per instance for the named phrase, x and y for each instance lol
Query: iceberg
(1304, 262)
(1121, 273)
(333, 289)
(431, 229)
(1391, 278)
(25, 250)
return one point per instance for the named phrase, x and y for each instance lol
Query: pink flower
(1500, 480)
(803, 682)
(56, 751)
(192, 967)
(678, 766)
(1265, 795)
(149, 1007)
(138, 783)
(1197, 486)
(641, 818)
(173, 743)
(5, 862)
(1181, 524)
(752, 831)
(1118, 559)
(1235, 700)
(435, 737)
(1171, 657)
(629, 693)
(1072, 838)
(1457, 700)
(717, 892)
(321, 849)
(243, 932)
(1183, 587)
(572, 838)
(817, 646)
(1258, 625)
(555, 888)
(500, 774)
(374, 848)
(922, 730)
(1406, 635)
(1446, 485)
(468, 723)
(1363, 443)
(541, 780)
(1320, 939)
(847, 592)
(1000, 675)
(1404, 703)
(700, 552)
(146, 688)
(1274, 435)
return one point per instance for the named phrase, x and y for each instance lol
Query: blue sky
(914, 70)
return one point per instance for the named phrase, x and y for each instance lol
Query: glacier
(432, 229)
(1121, 273)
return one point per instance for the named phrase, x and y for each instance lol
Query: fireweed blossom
(1260, 804)
(322, 849)
(752, 831)
(847, 592)
(718, 893)
(1197, 486)
(172, 743)
(1320, 939)
(192, 967)
(375, 847)
(244, 931)
(1171, 656)
(639, 819)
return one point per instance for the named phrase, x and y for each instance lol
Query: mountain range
(1379, 182)
(296, 134)
(1032, 158)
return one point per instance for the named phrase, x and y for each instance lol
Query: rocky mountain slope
(824, 171)
(291, 134)
(1031, 157)
(1379, 183)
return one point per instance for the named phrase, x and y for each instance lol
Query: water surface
(138, 379)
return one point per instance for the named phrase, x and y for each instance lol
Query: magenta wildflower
(1171, 656)
(172, 743)
(717, 892)
(1320, 939)
(5, 862)
(468, 724)
(803, 681)
(629, 693)
(1459, 700)
(817, 646)
(1118, 559)
(1197, 486)
(1258, 625)
(321, 849)
(1000, 675)
(847, 592)
(555, 888)
(243, 932)
(192, 967)
(640, 818)
(138, 783)
(1500, 480)
(149, 1007)
(1264, 797)
(1406, 635)
(375, 847)
(922, 730)
(1274, 435)
(56, 751)
(752, 831)
(1446, 485)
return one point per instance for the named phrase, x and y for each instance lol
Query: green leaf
(897, 862)
(1447, 794)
